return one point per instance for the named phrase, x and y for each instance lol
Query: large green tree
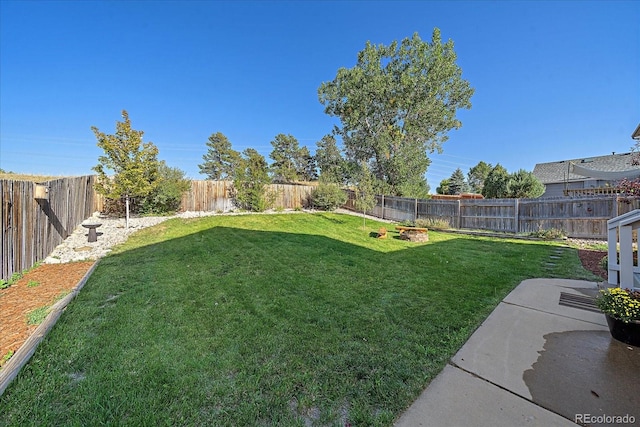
(134, 164)
(286, 158)
(521, 184)
(495, 186)
(306, 165)
(395, 105)
(329, 160)
(477, 175)
(457, 183)
(220, 161)
(524, 184)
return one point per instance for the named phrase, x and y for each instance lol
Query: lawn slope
(289, 320)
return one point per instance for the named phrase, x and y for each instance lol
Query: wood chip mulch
(40, 287)
(591, 261)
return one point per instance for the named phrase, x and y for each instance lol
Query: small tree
(477, 176)
(329, 160)
(457, 183)
(166, 195)
(134, 163)
(524, 184)
(328, 196)
(306, 165)
(629, 188)
(365, 192)
(443, 188)
(495, 186)
(285, 156)
(221, 160)
(251, 180)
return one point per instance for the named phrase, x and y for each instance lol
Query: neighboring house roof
(636, 133)
(561, 171)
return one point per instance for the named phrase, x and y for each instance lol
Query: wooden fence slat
(32, 228)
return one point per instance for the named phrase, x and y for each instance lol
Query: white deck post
(626, 257)
(620, 230)
(612, 256)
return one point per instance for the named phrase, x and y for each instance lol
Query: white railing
(622, 270)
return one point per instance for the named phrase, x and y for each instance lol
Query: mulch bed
(591, 261)
(40, 287)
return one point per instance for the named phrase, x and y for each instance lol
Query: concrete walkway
(535, 362)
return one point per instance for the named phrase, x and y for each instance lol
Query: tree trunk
(127, 212)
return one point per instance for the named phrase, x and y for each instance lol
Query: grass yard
(288, 320)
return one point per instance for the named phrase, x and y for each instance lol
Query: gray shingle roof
(557, 171)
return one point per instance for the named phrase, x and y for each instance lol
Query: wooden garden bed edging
(11, 369)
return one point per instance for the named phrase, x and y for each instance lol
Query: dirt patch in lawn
(40, 287)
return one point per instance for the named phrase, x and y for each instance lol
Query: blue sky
(553, 80)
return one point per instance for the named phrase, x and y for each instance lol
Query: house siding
(556, 176)
(556, 189)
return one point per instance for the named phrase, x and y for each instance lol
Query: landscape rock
(112, 231)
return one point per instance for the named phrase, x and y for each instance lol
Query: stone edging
(11, 369)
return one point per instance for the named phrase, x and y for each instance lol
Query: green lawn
(288, 320)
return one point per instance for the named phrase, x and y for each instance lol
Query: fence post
(415, 212)
(382, 206)
(516, 215)
(459, 215)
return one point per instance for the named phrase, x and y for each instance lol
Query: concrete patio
(536, 362)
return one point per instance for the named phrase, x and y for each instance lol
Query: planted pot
(628, 333)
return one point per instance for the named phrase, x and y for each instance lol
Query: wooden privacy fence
(215, 196)
(584, 217)
(208, 196)
(32, 227)
(292, 196)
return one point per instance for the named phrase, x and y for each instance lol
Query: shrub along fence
(584, 217)
(38, 217)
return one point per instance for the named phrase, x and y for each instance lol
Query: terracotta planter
(628, 333)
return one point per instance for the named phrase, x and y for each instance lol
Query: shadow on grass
(331, 218)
